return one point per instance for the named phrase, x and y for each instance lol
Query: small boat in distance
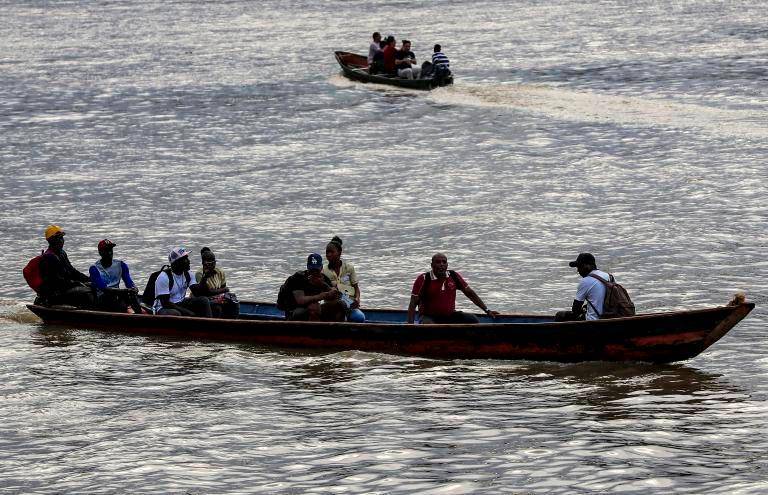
(355, 67)
(654, 337)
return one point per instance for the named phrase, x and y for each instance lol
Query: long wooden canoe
(656, 337)
(355, 67)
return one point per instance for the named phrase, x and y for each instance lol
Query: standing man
(106, 275)
(374, 48)
(405, 61)
(62, 283)
(434, 293)
(171, 289)
(590, 290)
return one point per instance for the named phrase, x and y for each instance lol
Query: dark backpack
(617, 302)
(148, 297)
(285, 300)
(423, 293)
(33, 274)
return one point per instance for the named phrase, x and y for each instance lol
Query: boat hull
(661, 338)
(355, 67)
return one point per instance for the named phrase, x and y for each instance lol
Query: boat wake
(16, 311)
(569, 105)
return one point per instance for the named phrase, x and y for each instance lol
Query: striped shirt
(439, 59)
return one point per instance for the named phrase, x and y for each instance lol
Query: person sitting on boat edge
(389, 53)
(434, 292)
(213, 284)
(61, 282)
(171, 289)
(312, 296)
(593, 288)
(441, 66)
(405, 61)
(106, 275)
(343, 276)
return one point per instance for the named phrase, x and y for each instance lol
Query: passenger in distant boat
(434, 293)
(343, 276)
(171, 289)
(213, 284)
(389, 54)
(374, 48)
(441, 66)
(405, 62)
(106, 275)
(62, 283)
(590, 291)
(314, 297)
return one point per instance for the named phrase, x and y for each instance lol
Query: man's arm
(96, 279)
(578, 307)
(412, 308)
(304, 300)
(472, 295)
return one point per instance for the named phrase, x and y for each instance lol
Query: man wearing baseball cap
(313, 296)
(590, 291)
(62, 283)
(106, 275)
(171, 289)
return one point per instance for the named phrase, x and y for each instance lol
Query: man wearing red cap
(106, 275)
(62, 283)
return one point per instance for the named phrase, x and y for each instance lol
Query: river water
(633, 130)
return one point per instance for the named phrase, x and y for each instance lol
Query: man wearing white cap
(171, 289)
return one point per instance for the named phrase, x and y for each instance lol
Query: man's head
(390, 40)
(179, 259)
(406, 46)
(440, 264)
(376, 37)
(584, 264)
(438, 48)
(315, 268)
(106, 250)
(55, 236)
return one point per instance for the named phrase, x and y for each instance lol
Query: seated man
(105, 280)
(405, 62)
(314, 299)
(388, 53)
(62, 283)
(441, 64)
(213, 284)
(171, 289)
(592, 290)
(434, 293)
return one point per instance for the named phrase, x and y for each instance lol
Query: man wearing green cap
(62, 283)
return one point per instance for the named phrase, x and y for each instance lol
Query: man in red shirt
(389, 56)
(435, 295)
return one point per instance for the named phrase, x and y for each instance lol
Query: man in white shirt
(374, 47)
(171, 289)
(590, 291)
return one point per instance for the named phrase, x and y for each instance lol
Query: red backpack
(32, 273)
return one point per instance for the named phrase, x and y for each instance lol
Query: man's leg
(200, 305)
(416, 71)
(332, 311)
(462, 317)
(168, 312)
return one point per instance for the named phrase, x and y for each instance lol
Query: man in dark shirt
(405, 61)
(314, 297)
(62, 283)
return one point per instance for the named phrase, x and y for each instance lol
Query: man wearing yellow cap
(62, 283)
